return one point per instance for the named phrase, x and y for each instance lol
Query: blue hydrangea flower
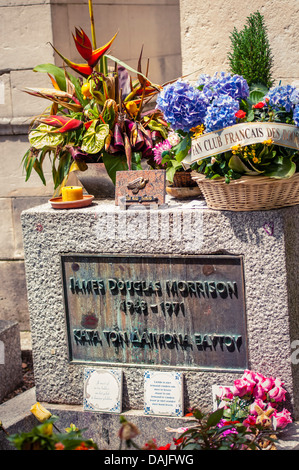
(295, 97)
(183, 105)
(221, 113)
(296, 116)
(234, 86)
(279, 97)
(203, 79)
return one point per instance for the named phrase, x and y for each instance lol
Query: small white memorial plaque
(102, 390)
(163, 393)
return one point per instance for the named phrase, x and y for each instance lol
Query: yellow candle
(72, 193)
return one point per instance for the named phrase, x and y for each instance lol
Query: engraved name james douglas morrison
(176, 291)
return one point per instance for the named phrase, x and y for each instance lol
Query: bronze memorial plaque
(159, 310)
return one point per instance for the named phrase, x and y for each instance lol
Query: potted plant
(95, 116)
(252, 168)
(221, 102)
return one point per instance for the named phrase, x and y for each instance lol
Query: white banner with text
(243, 134)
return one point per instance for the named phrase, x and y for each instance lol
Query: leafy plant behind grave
(250, 54)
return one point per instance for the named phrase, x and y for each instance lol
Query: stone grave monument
(181, 289)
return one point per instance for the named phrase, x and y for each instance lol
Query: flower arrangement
(43, 437)
(217, 102)
(247, 417)
(209, 431)
(253, 395)
(96, 115)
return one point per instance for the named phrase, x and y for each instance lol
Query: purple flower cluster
(221, 113)
(234, 86)
(213, 101)
(296, 116)
(281, 97)
(183, 105)
(295, 97)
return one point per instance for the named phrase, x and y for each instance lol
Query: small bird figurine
(137, 184)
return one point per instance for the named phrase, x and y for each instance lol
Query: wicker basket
(249, 193)
(183, 179)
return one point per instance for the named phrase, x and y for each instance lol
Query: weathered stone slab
(10, 357)
(13, 293)
(270, 287)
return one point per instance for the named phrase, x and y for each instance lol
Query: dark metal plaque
(177, 311)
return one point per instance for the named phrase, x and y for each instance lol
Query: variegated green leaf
(43, 136)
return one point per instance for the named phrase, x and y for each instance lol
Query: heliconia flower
(83, 44)
(88, 124)
(83, 69)
(63, 123)
(84, 47)
(57, 96)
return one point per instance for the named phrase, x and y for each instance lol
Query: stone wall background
(206, 27)
(26, 30)
(179, 37)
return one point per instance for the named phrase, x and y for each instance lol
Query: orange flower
(83, 446)
(59, 446)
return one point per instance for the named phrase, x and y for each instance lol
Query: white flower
(173, 138)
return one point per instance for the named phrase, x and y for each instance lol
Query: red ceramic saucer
(58, 203)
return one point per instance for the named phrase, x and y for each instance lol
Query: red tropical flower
(166, 447)
(259, 105)
(63, 124)
(84, 47)
(240, 114)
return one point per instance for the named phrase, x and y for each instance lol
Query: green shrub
(250, 54)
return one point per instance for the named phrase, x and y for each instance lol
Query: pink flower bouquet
(251, 391)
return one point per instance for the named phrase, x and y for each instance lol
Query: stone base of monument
(183, 289)
(10, 357)
(103, 427)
